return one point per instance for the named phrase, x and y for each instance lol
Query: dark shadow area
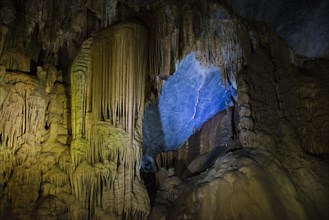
(153, 136)
(153, 141)
(149, 180)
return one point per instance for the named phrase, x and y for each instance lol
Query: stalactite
(84, 184)
(118, 86)
(80, 89)
(22, 114)
(109, 171)
(107, 100)
(166, 159)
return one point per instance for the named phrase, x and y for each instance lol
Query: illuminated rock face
(192, 95)
(108, 86)
(189, 98)
(33, 146)
(96, 173)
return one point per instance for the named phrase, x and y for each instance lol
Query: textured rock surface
(46, 172)
(49, 31)
(107, 88)
(189, 98)
(70, 141)
(303, 24)
(34, 135)
(153, 137)
(273, 176)
(202, 148)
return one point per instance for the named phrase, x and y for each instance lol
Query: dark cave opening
(33, 67)
(149, 179)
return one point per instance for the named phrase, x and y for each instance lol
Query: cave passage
(191, 96)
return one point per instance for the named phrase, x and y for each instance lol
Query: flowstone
(108, 91)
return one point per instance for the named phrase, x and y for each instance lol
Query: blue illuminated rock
(192, 95)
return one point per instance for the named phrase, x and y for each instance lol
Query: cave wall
(70, 129)
(34, 146)
(303, 24)
(49, 31)
(273, 171)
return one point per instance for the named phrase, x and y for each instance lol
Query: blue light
(191, 96)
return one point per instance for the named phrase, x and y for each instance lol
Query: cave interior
(164, 109)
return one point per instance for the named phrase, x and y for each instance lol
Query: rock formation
(107, 105)
(217, 114)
